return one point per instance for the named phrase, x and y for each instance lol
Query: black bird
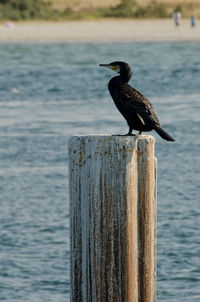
(135, 107)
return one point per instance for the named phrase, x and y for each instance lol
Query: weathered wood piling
(113, 218)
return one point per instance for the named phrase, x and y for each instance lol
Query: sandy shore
(100, 30)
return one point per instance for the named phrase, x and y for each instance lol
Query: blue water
(49, 92)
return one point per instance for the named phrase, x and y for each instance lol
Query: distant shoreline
(113, 30)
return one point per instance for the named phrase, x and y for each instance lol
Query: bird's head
(120, 67)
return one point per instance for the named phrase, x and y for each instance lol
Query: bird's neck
(125, 77)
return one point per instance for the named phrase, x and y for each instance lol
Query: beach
(98, 30)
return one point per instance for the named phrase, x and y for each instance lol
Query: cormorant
(135, 107)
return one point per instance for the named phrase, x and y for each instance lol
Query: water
(49, 92)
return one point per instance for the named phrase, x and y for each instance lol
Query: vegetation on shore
(25, 9)
(131, 8)
(40, 9)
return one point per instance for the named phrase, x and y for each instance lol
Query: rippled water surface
(49, 92)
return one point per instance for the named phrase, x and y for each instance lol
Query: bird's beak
(108, 66)
(113, 67)
(105, 65)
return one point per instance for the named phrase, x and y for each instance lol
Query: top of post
(117, 138)
(127, 142)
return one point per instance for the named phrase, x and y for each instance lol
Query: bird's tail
(164, 134)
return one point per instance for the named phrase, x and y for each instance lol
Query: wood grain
(113, 214)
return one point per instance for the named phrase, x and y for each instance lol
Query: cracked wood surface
(113, 218)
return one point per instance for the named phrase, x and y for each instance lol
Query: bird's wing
(136, 102)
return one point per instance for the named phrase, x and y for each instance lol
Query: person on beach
(192, 21)
(178, 18)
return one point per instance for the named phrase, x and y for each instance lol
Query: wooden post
(113, 218)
